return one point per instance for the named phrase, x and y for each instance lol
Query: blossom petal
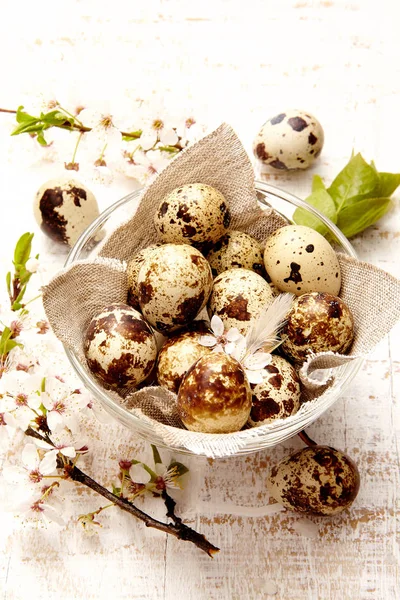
(148, 139)
(49, 463)
(217, 325)
(257, 361)
(138, 474)
(168, 137)
(207, 340)
(159, 468)
(43, 444)
(219, 348)
(34, 401)
(255, 376)
(10, 420)
(54, 420)
(56, 389)
(14, 474)
(50, 514)
(68, 451)
(30, 456)
(234, 335)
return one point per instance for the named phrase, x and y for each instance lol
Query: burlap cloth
(81, 291)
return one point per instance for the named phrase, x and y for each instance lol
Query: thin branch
(177, 529)
(8, 110)
(306, 439)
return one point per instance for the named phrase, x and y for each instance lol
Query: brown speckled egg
(63, 208)
(277, 396)
(215, 396)
(236, 249)
(318, 480)
(317, 322)
(298, 259)
(291, 140)
(238, 297)
(179, 353)
(132, 273)
(195, 214)
(174, 284)
(119, 346)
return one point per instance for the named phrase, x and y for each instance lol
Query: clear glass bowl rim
(266, 439)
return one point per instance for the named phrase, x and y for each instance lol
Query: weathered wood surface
(240, 62)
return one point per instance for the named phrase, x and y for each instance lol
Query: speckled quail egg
(195, 214)
(317, 480)
(214, 396)
(119, 346)
(238, 297)
(291, 140)
(299, 260)
(236, 249)
(179, 353)
(317, 322)
(132, 273)
(277, 396)
(174, 284)
(63, 208)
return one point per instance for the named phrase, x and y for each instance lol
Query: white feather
(265, 330)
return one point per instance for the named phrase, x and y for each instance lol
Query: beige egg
(174, 284)
(277, 396)
(317, 322)
(291, 140)
(64, 208)
(195, 214)
(132, 273)
(299, 260)
(236, 249)
(318, 480)
(238, 297)
(119, 346)
(214, 396)
(179, 353)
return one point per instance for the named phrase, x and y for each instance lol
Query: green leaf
(355, 218)
(156, 455)
(134, 135)
(322, 201)
(17, 302)
(169, 149)
(10, 344)
(387, 184)
(356, 181)
(181, 469)
(8, 281)
(318, 184)
(41, 139)
(4, 339)
(116, 490)
(24, 117)
(31, 127)
(23, 249)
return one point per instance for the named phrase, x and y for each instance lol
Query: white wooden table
(239, 62)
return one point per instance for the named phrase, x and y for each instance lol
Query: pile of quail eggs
(201, 268)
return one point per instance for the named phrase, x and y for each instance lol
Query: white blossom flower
(167, 477)
(32, 265)
(19, 390)
(189, 131)
(158, 129)
(38, 510)
(33, 468)
(253, 364)
(62, 406)
(145, 165)
(103, 143)
(219, 340)
(89, 524)
(63, 442)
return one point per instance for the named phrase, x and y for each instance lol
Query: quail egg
(291, 140)
(317, 322)
(236, 249)
(132, 273)
(174, 284)
(277, 396)
(179, 353)
(238, 297)
(214, 396)
(317, 480)
(119, 346)
(63, 208)
(195, 214)
(299, 260)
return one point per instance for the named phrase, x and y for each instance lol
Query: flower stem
(177, 529)
(306, 439)
(76, 146)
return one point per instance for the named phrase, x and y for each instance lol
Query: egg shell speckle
(132, 273)
(195, 214)
(215, 396)
(63, 208)
(317, 480)
(238, 297)
(317, 322)
(179, 353)
(174, 283)
(236, 249)
(277, 396)
(290, 140)
(299, 260)
(119, 346)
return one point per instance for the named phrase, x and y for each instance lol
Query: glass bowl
(269, 197)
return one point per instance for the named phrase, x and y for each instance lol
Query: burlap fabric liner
(79, 292)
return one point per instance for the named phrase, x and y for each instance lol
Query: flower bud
(32, 265)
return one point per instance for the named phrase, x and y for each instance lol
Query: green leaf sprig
(17, 283)
(356, 199)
